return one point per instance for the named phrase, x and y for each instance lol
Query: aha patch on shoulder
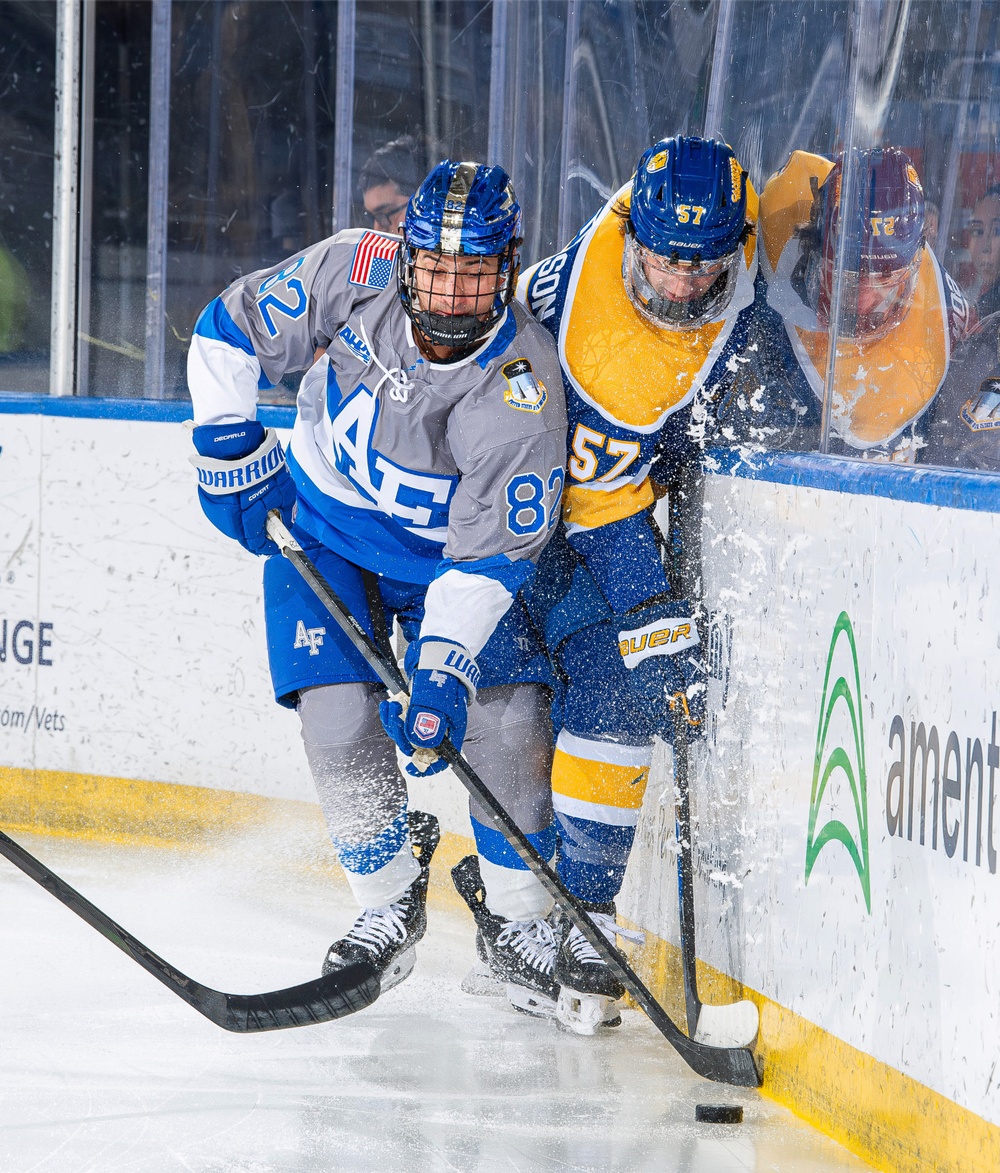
(355, 345)
(524, 391)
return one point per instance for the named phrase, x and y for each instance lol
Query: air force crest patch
(524, 392)
(983, 413)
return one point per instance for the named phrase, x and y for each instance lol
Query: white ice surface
(102, 1070)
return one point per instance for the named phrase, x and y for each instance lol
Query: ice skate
(589, 992)
(387, 937)
(516, 956)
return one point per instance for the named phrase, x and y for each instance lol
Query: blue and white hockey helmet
(686, 227)
(459, 256)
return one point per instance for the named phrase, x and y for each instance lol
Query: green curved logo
(835, 756)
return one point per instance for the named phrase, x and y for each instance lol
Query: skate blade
(530, 1001)
(483, 983)
(400, 969)
(582, 1013)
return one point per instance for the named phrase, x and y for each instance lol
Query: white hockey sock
(382, 887)
(513, 893)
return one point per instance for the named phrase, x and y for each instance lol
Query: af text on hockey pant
(354, 764)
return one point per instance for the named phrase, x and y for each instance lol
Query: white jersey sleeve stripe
(222, 380)
(465, 608)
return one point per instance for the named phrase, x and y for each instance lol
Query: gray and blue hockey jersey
(449, 474)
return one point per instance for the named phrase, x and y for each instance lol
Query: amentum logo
(840, 747)
(941, 786)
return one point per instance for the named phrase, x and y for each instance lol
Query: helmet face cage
(706, 300)
(458, 261)
(455, 299)
(873, 303)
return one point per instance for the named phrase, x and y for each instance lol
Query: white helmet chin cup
(666, 314)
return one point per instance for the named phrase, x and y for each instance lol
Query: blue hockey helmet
(687, 223)
(884, 250)
(459, 255)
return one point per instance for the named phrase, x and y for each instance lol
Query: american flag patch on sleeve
(374, 260)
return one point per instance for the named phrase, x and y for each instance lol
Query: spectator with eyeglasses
(388, 178)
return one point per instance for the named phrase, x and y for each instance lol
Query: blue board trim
(950, 488)
(147, 410)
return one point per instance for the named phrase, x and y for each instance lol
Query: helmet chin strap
(457, 349)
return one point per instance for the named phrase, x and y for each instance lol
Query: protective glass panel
(894, 255)
(421, 70)
(27, 125)
(778, 94)
(584, 89)
(254, 168)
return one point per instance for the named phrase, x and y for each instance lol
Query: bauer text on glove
(660, 648)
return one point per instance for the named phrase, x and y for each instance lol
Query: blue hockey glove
(443, 679)
(660, 648)
(241, 478)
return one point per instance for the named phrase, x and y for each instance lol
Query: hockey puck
(718, 1113)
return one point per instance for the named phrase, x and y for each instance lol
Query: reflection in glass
(898, 315)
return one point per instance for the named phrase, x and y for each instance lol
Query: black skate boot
(589, 991)
(387, 937)
(520, 954)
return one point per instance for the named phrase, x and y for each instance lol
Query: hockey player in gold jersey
(648, 305)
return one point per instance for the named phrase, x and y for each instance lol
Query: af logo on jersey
(524, 392)
(308, 637)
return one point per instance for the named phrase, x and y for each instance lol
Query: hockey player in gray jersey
(423, 477)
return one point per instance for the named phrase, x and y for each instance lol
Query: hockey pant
(604, 748)
(508, 742)
(364, 797)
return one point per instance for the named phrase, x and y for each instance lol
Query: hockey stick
(334, 996)
(733, 1065)
(735, 1024)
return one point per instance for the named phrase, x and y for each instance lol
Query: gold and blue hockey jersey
(638, 399)
(636, 395)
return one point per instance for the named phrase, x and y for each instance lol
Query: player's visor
(675, 294)
(873, 302)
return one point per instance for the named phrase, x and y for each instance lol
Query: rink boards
(853, 639)
(848, 815)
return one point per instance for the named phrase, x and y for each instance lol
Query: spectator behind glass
(388, 179)
(984, 252)
(964, 421)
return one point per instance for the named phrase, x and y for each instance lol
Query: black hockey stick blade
(734, 1065)
(321, 1000)
(735, 1023)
